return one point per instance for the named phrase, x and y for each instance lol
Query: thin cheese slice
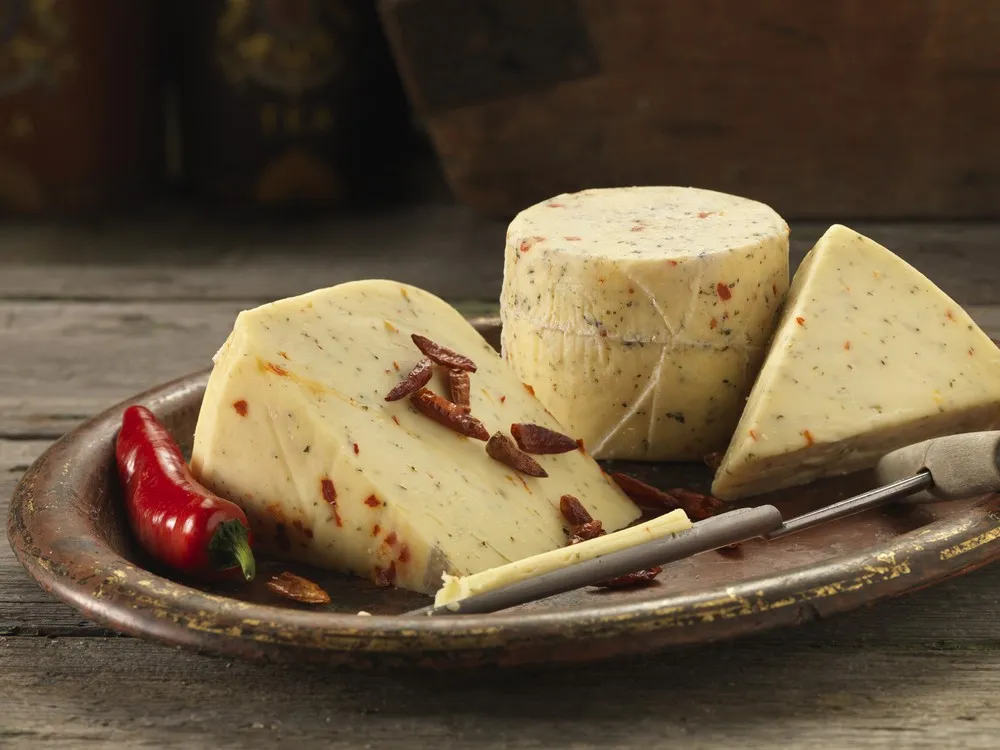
(641, 315)
(869, 356)
(456, 588)
(294, 427)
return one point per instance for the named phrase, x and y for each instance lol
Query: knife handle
(960, 466)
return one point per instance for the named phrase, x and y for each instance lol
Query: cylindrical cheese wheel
(640, 315)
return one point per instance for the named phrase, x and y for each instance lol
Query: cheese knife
(946, 468)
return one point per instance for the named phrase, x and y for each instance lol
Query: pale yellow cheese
(294, 427)
(869, 356)
(458, 588)
(640, 315)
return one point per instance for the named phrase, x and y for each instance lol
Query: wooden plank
(760, 693)
(178, 256)
(181, 258)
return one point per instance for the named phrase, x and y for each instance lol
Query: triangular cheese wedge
(295, 428)
(868, 356)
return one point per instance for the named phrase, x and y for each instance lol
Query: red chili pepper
(176, 520)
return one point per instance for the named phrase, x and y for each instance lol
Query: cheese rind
(331, 474)
(640, 315)
(458, 588)
(869, 356)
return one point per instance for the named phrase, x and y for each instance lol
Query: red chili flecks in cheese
(529, 243)
(529, 389)
(571, 238)
(276, 369)
(713, 323)
(241, 407)
(391, 539)
(638, 228)
(372, 502)
(808, 436)
(847, 345)
(556, 205)
(800, 320)
(330, 495)
(284, 354)
(705, 214)
(949, 315)
(384, 578)
(395, 419)
(753, 434)
(723, 291)
(404, 554)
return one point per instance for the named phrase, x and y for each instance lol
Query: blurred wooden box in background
(841, 108)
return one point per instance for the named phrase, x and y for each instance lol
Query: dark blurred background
(842, 109)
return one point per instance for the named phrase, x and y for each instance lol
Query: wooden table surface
(91, 315)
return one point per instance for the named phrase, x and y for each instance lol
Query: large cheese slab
(640, 315)
(295, 428)
(869, 356)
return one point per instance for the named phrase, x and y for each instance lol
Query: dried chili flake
(800, 320)
(241, 407)
(442, 354)
(723, 291)
(459, 386)
(533, 438)
(644, 495)
(417, 378)
(571, 238)
(528, 388)
(501, 448)
(587, 531)
(580, 446)
(638, 578)
(697, 506)
(297, 589)
(395, 419)
(357, 449)
(329, 492)
(442, 411)
(809, 437)
(384, 577)
(573, 511)
(372, 502)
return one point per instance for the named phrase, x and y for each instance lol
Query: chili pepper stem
(231, 545)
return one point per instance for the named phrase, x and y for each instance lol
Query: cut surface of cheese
(869, 356)
(640, 315)
(294, 427)
(456, 588)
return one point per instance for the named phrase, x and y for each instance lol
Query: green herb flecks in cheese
(640, 315)
(869, 356)
(332, 474)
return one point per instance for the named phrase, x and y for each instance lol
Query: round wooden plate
(68, 529)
